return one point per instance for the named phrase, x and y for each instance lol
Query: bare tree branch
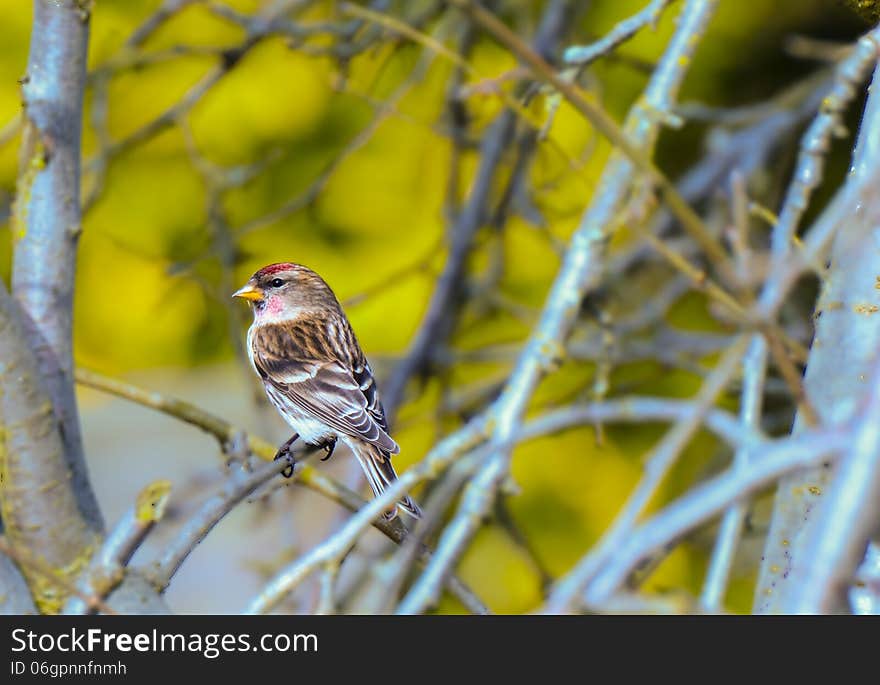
(604, 124)
(106, 571)
(237, 487)
(579, 275)
(754, 375)
(582, 55)
(656, 467)
(815, 144)
(435, 326)
(865, 593)
(844, 347)
(37, 492)
(15, 597)
(51, 577)
(46, 220)
(709, 499)
(848, 516)
(336, 547)
(240, 487)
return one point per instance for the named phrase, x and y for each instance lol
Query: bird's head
(285, 291)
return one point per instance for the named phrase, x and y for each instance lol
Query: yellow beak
(249, 292)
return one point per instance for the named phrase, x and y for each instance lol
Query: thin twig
(754, 375)
(582, 55)
(850, 74)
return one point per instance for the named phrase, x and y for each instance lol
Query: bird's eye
(276, 283)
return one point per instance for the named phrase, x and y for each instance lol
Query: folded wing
(342, 397)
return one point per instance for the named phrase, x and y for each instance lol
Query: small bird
(315, 373)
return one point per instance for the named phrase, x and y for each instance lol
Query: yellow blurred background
(156, 268)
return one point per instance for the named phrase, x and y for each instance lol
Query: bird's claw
(287, 471)
(329, 446)
(285, 453)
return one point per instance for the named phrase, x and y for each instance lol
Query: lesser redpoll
(314, 371)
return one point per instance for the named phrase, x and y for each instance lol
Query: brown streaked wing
(367, 383)
(343, 345)
(287, 356)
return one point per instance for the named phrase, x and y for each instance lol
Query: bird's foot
(329, 446)
(285, 453)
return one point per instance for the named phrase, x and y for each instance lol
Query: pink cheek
(273, 306)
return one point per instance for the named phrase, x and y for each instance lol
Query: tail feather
(380, 474)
